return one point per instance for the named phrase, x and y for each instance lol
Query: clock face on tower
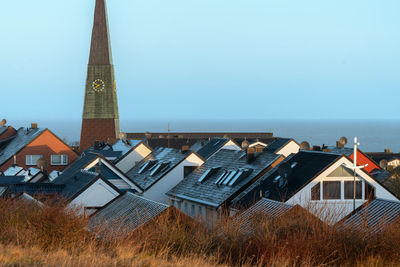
(98, 85)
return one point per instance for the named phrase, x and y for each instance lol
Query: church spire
(100, 49)
(100, 119)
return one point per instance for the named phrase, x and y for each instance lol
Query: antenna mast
(354, 168)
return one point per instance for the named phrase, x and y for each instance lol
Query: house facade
(28, 145)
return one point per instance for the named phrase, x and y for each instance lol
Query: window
(316, 192)
(349, 189)
(59, 159)
(32, 159)
(331, 190)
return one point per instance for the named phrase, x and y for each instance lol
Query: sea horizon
(374, 135)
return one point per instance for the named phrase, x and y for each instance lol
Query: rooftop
(222, 176)
(126, 213)
(153, 167)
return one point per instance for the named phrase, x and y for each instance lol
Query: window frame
(325, 196)
(63, 160)
(30, 163)
(359, 190)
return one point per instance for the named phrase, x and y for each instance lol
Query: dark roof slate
(126, 213)
(308, 165)
(6, 180)
(35, 189)
(208, 192)
(171, 157)
(212, 146)
(277, 144)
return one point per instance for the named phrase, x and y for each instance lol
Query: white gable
(290, 148)
(171, 179)
(133, 157)
(231, 146)
(96, 195)
(332, 210)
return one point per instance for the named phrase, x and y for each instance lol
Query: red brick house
(23, 147)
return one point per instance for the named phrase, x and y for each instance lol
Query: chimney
(251, 154)
(97, 145)
(338, 144)
(316, 148)
(185, 148)
(34, 125)
(387, 151)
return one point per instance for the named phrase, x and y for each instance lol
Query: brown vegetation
(51, 235)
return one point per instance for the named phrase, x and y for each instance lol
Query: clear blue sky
(206, 59)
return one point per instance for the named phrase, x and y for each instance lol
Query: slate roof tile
(126, 213)
(210, 193)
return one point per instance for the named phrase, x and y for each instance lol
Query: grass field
(52, 235)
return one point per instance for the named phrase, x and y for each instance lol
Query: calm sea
(373, 135)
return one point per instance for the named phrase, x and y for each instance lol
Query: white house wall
(332, 211)
(171, 179)
(96, 195)
(290, 148)
(133, 157)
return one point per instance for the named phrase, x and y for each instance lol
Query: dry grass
(52, 235)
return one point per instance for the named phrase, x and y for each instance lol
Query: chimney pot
(34, 125)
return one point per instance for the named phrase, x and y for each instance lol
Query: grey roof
(126, 213)
(212, 146)
(22, 138)
(75, 183)
(165, 159)
(373, 216)
(6, 180)
(266, 208)
(74, 177)
(125, 145)
(341, 150)
(277, 144)
(80, 163)
(210, 193)
(35, 189)
(306, 166)
(380, 175)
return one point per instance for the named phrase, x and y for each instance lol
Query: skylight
(146, 166)
(294, 164)
(208, 173)
(222, 177)
(158, 168)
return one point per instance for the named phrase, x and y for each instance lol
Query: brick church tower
(100, 120)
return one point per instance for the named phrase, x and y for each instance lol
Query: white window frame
(63, 160)
(29, 160)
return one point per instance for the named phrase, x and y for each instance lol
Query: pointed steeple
(100, 50)
(100, 119)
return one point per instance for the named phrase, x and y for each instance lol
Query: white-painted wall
(205, 214)
(290, 148)
(332, 211)
(96, 195)
(134, 156)
(231, 146)
(171, 179)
